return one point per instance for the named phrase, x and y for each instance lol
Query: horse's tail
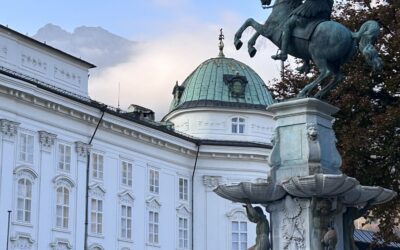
(366, 38)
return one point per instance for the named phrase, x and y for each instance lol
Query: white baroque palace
(150, 184)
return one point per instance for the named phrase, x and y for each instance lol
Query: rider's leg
(286, 34)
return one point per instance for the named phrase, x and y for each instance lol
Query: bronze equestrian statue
(305, 31)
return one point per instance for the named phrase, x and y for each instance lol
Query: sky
(175, 37)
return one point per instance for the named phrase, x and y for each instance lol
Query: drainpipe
(103, 109)
(192, 196)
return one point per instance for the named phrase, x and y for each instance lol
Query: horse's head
(265, 2)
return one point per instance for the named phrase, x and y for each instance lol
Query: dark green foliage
(368, 123)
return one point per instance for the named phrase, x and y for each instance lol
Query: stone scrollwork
(22, 241)
(46, 140)
(61, 244)
(293, 224)
(82, 149)
(9, 128)
(211, 182)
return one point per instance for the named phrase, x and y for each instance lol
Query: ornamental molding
(237, 214)
(211, 182)
(97, 190)
(33, 62)
(183, 210)
(82, 149)
(25, 172)
(66, 76)
(46, 140)
(61, 244)
(63, 180)
(121, 130)
(153, 203)
(126, 197)
(8, 128)
(94, 245)
(22, 241)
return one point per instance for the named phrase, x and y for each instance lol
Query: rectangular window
(126, 173)
(96, 216)
(183, 233)
(153, 227)
(126, 222)
(97, 166)
(239, 235)
(24, 200)
(64, 157)
(154, 181)
(183, 189)
(26, 148)
(62, 207)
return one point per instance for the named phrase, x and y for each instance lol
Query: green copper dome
(222, 82)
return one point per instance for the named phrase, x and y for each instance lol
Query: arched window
(62, 207)
(24, 200)
(238, 125)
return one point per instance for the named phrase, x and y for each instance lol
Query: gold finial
(221, 44)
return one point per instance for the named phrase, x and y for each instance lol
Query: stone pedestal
(304, 142)
(312, 205)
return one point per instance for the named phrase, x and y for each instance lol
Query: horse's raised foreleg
(309, 87)
(332, 84)
(248, 23)
(251, 43)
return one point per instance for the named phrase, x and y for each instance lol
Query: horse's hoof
(252, 51)
(238, 44)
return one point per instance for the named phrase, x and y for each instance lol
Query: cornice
(110, 126)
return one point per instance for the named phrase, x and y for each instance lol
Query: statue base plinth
(304, 141)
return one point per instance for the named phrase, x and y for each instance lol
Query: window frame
(96, 212)
(185, 238)
(96, 173)
(238, 125)
(25, 198)
(27, 150)
(154, 183)
(153, 227)
(65, 215)
(129, 173)
(129, 222)
(66, 166)
(183, 190)
(239, 233)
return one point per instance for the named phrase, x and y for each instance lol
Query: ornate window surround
(65, 182)
(25, 172)
(126, 198)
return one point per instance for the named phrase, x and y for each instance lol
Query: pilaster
(8, 133)
(82, 150)
(46, 194)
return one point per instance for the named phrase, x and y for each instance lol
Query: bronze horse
(330, 45)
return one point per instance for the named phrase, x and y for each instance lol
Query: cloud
(148, 77)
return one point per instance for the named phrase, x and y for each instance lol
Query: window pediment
(126, 197)
(25, 172)
(97, 190)
(63, 180)
(183, 210)
(153, 203)
(238, 214)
